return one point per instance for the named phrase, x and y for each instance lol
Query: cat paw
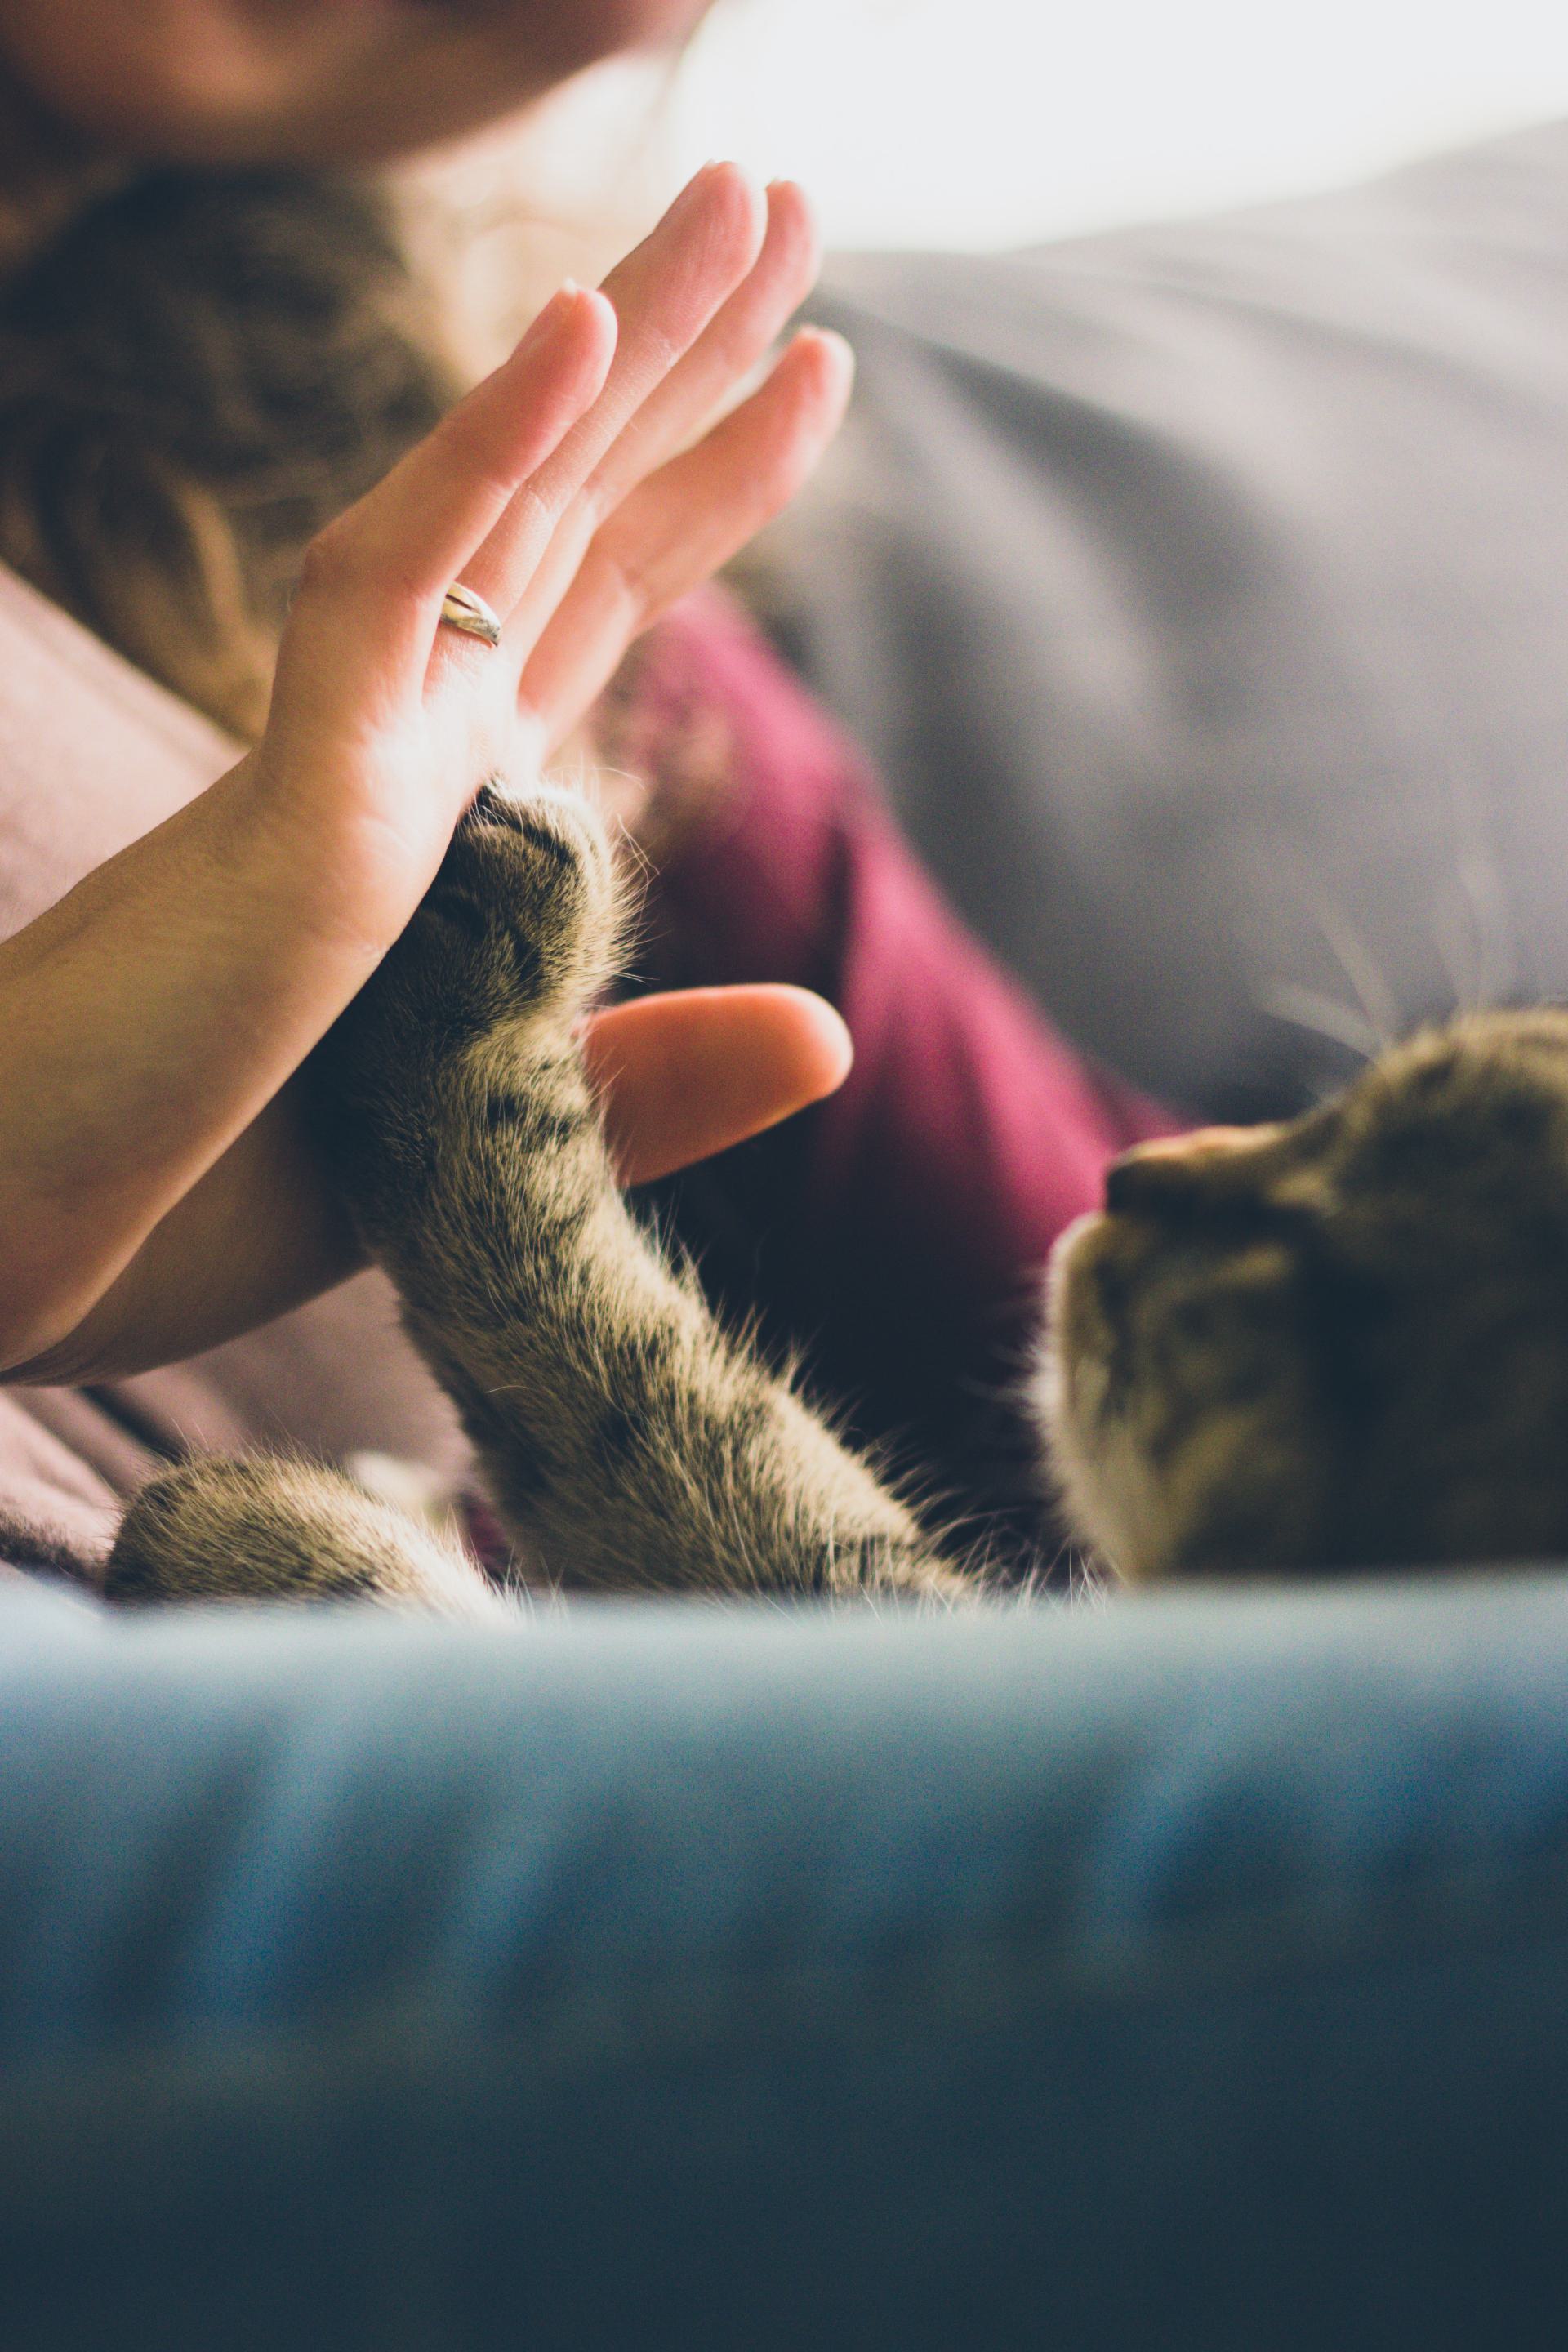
(516, 936)
(522, 920)
(275, 1531)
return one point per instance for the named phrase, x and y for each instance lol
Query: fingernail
(714, 164)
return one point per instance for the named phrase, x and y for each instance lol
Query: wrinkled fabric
(893, 1236)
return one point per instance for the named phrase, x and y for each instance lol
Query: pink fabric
(899, 1228)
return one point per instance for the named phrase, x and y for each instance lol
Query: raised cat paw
(516, 934)
(522, 918)
(520, 922)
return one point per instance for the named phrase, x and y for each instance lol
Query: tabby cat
(1325, 1345)
(1335, 1343)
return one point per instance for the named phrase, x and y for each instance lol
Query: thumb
(687, 1073)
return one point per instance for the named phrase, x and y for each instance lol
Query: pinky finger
(684, 523)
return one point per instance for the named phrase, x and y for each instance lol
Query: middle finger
(724, 354)
(664, 295)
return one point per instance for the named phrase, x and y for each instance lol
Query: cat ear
(1177, 1170)
(1279, 1166)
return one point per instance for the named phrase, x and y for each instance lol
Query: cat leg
(624, 1437)
(269, 1529)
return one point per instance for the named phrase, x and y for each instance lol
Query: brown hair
(196, 372)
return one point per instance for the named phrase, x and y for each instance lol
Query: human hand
(152, 1016)
(561, 492)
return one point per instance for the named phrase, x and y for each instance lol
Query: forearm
(625, 1437)
(146, 1022)
(624, 1434)
(261, 1233)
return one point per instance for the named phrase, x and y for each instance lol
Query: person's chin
(244, 82)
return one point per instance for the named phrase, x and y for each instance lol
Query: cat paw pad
(527, 888)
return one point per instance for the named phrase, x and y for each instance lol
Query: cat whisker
(1483, 887)
(1372, 991)
(1308, 1008)
(1478, 944)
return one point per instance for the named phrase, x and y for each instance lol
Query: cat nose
(1171, 1167)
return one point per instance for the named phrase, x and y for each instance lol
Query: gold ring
(461, 609)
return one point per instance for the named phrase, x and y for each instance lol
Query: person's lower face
(308, 80)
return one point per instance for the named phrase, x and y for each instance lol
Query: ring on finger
(462, 609)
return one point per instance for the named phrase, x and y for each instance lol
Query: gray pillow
(1202, 591)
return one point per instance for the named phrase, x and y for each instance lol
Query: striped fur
(629, 1444)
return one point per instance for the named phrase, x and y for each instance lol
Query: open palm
(156, 1193)
(568, 492)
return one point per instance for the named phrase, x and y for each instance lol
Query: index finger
(370, 588)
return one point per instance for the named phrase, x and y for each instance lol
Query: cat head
(1333, 1344)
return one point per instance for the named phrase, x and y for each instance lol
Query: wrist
(146, 1021)
(336, 867)
(260, 1235)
